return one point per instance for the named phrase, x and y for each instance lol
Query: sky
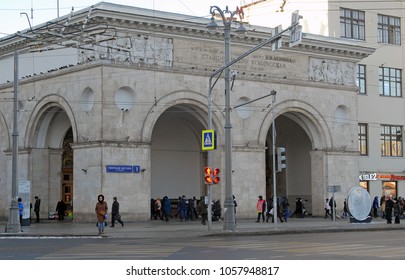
(41, 11)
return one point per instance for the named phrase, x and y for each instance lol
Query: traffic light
(281, 160)
(207, 175)
(216, 178)
(211, 176)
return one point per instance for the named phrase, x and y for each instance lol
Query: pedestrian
(286, 210)
(235, 204)
(332, 204)
(20, 210)
(261, 208)
(396, 208)
(195, 205)
(158, 209)
(375, 206)
(345, 212)
(203, 210)
(271, 211)
(183, 208)
(37, 206)
(401, 206)
(167, 208)
(382, 206)
(60, 208)
(190, 211)
(152, 208)
(299, 208)
(389, 205)
(327, 208)
(101, 212)
(115, 213)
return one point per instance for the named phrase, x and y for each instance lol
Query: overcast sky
(40, 11)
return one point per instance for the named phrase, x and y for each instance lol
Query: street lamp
(227, 19)
(13, 225)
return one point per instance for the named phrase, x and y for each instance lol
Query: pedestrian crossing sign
(208, 140)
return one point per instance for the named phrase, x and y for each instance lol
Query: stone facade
(140, 99)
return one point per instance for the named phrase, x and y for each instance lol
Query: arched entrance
(176, 156)
(295, 180)
(50, 137)
(305, 138)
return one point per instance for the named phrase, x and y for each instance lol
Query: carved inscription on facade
(332, 71)
(132, 49)
(259, 61)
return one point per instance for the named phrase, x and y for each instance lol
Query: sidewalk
(175, 229)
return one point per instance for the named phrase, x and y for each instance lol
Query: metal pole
(13, 224)
(273, 133)
(209, 155)
(58, 8)
(229, 223)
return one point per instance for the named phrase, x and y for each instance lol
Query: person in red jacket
(261, 208)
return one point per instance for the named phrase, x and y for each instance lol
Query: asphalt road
(384, 245)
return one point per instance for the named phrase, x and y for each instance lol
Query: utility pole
(13, 225)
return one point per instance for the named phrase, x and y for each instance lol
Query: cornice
(123, 20)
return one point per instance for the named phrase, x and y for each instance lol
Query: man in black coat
(389, 204)
(37, 206)
(115, 213)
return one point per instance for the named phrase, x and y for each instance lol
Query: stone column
(318, 181)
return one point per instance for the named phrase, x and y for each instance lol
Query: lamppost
(227, 19)
(13, 224)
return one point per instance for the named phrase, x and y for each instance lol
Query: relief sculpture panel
(136, 49)
(332, 71)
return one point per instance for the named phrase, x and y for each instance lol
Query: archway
(49, 136)
(176, 156)
(305, 138)
(294, 181)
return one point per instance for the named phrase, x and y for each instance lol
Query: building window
(389, 188)
(352, 24)
(365, 185)
(391, 140)
(389, 30)
(361, 78)
(390, 81)
(363, 143)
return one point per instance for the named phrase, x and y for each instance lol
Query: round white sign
(359, 203)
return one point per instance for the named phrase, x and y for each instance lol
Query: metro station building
(113, 99)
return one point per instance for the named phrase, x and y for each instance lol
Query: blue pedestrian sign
(208, 140)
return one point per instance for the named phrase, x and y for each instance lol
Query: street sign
(368, 177)
(296, 30)
(119, 168)
(334, 189)
(208, 139)
(278, 43)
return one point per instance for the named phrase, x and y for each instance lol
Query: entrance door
(67, 188)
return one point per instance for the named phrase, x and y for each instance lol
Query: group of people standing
(391, 208)
(330, 208)
(187, 209)
(265, 209)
